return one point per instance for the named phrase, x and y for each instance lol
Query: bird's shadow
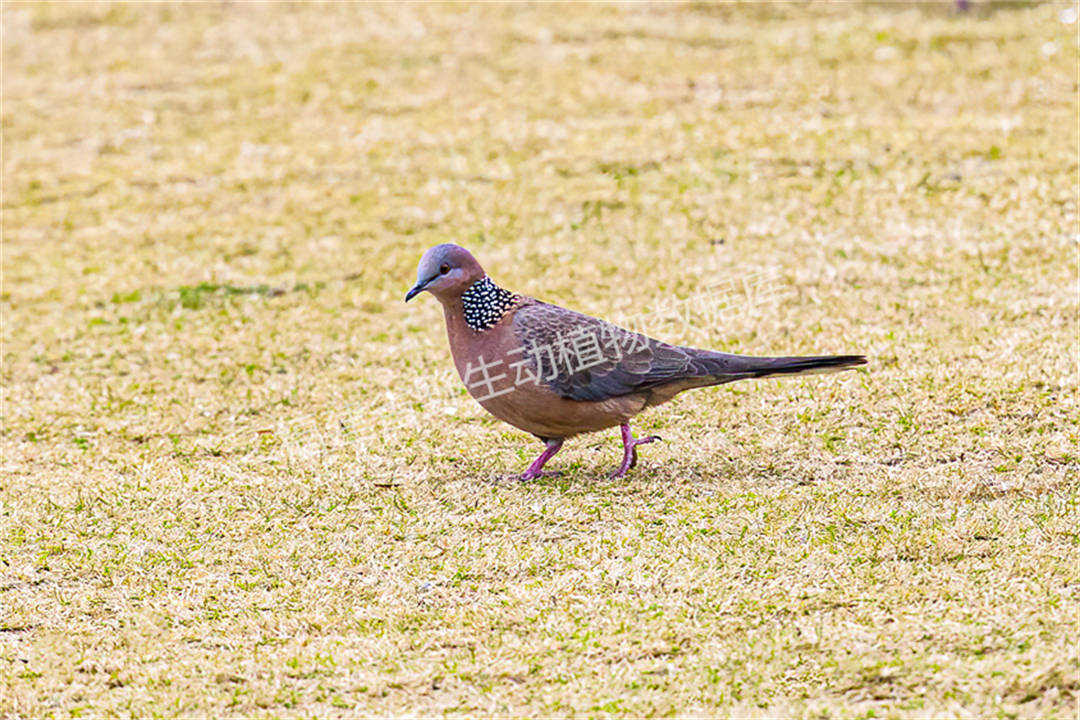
(585, 474)
(579, 475)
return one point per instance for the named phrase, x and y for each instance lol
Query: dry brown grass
(240, 478)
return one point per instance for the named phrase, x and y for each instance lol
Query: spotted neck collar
(485, 303)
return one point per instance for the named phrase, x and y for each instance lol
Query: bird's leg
(630, 444)
(535, 470)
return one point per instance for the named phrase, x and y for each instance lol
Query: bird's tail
(728, 368)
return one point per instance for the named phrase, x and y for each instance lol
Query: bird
(557, 373)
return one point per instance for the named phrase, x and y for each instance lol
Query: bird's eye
(443, 269)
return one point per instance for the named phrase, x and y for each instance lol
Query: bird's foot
(535, 470)
(630, 444)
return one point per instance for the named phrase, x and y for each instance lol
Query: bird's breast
(498, 374)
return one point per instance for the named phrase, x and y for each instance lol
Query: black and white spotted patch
(485, 303)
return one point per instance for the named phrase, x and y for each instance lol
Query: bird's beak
(417, 289)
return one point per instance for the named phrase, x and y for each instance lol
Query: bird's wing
(584, 358)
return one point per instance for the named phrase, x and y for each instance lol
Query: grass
(241, 478)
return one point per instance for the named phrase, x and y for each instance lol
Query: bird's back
(587, 359)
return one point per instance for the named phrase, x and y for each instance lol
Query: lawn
(241, 478)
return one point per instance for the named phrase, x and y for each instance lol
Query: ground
(240, 476)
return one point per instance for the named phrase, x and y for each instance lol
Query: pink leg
(535, 470)
(629, 442)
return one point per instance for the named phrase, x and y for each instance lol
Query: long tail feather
(727, 368)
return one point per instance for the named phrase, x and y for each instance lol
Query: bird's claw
(630, 444)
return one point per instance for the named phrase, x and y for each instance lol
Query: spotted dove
(556, 373)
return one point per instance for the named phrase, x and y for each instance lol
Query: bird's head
(446, 271)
